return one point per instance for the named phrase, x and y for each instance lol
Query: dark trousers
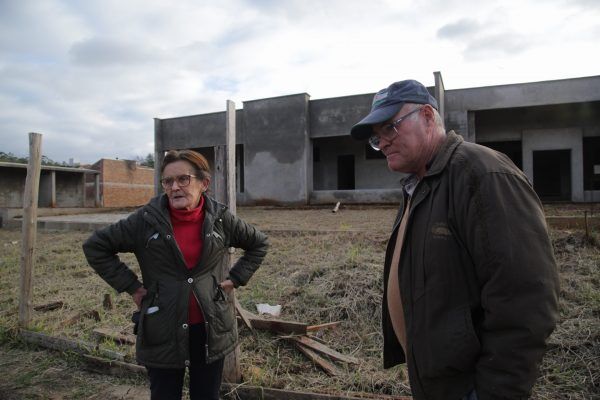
(205, 379)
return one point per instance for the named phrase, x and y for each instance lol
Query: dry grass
(317, 276)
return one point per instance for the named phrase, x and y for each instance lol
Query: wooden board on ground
(271, 324)
(321, 348)
(112, 367)
(322, 363)
(62, 344)
(231, 392)
(49, 307)
(119, 338)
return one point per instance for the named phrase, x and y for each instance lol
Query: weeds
(317, 276)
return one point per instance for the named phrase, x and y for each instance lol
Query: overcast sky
(91, 75)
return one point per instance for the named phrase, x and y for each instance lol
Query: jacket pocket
(452, 347)
(224, 316)
(154, 324)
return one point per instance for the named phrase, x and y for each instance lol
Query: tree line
(147, 161)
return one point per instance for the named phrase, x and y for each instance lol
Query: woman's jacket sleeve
(101, 250)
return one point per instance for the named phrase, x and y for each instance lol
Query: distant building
(123, 183)
(293, 150)
(60, 187)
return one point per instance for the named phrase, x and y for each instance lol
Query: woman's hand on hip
(227, 286)
(138, 295)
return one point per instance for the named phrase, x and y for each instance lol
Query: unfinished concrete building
(60, 188)
(293, 150)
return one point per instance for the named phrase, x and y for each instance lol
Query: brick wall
(123, 183)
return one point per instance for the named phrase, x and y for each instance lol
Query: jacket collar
(444, 153)
(160, 206)
(439, 161)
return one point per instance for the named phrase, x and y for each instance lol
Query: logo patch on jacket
(440, 230)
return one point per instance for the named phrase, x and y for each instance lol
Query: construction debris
(119, 338)
(49, 307)
(310, 346)
(336, 208)
(268, 309)
(107, 302)
(92, 314)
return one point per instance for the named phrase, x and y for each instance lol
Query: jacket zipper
(205, 324)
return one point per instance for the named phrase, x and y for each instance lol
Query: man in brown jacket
(470, 280)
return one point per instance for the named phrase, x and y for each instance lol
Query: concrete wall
(69, 189)
(277, 156)
(12, 186)
(556, 139)
(369, 174)
(197, 131)
(336, 116)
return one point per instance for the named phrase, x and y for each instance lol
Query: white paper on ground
(269, 309)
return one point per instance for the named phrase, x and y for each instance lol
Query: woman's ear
(206, 183)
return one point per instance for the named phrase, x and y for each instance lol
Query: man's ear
(429, 114)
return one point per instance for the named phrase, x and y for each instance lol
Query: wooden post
(159, 155)
(224, 186)
(30, 203)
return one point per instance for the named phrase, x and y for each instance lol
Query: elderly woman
(181, 240)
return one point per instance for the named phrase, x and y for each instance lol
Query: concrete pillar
(97, 202)
(471, 134)
(53, 189)
(440, 94)
(83, 190)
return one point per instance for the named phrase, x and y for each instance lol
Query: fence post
(224, 184)
(29, 227)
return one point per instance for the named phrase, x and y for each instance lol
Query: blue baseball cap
(387, 102)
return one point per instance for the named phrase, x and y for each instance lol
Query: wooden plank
(49, 306)
(275, 325)
(29, 227)
(278, 325)
(63, 344)
(243, 314)
(232, 391)
(113, 367)
(92, 314)
(322, 363)
(103, 333)
(321, 348)
(312, 328)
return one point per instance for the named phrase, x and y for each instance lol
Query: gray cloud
(91, 76)
(106, 52)
(464, 27)
(496, 45)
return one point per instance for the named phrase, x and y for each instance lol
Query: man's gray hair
(439, 122)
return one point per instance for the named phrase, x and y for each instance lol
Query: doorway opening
(345, 172)
(552, 174)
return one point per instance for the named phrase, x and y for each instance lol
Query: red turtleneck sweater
(187, 229)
